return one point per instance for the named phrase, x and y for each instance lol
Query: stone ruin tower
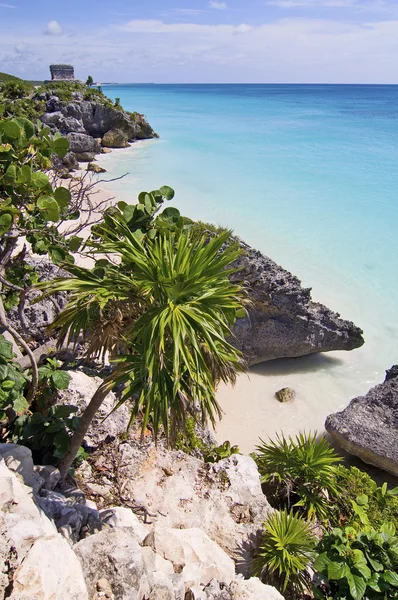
(62, 73)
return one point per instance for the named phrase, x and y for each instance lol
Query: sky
(199, 41)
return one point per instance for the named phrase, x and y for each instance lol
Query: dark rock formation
(368, 427)
(85, 122)
(282, 320)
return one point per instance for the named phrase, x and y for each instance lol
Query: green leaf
(24, 174)
(362, 500)
(388, 528)
(61, 146)
(11, 129)
(40, 181)
(6, 348)
(8, 384)
(357, 586)
(167, 192)
(61, 380)
(26, 126)
(75, 243)
(3, 372)
(62, 442)
(62, 411)
(2, 109)
(391, 577)
(58, 255)
(49, 208)
(337, 570)
(63, 196)
(11, 174)
(128, 212)
(20, 405)
(5, 223)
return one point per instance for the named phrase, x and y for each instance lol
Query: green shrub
(15, 89)
(356, 565)
(381, 505)
(188, 441)
(302, 472)
(285, 553)
(12, 382)
(48, 436)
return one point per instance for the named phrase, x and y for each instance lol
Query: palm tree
(169, 302)
(90, 81)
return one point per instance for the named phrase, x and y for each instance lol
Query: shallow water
(308, 175)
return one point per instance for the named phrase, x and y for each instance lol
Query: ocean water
(308, 174)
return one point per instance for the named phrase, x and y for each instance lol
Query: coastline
(251, 410)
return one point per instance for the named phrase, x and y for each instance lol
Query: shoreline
(252, 400)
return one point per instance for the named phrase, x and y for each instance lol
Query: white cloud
(217, 5)
(53, 28)
(356, 4)
(286, 50)
(7, 5)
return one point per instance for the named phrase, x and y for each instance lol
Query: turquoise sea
(308, 174)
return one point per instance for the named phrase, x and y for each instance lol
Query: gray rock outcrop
(224, 499)
(126, 560)
(36, 561)
(368, 427)
(282, 320)
(85, 122)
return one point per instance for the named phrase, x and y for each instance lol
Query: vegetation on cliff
(160, 303)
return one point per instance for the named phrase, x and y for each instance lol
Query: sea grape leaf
(61, 380)
(6, 348)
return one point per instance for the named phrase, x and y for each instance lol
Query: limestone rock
(119, 516)
(106, 150)
(114, 555)
(285, 395)
(80, 391)
(95, 168)
(50, 571)
(30, 544)
(179, 491)
(282, 320)
(49, 474)
(81, 143)
(19, 459)
(253, 589)
(193, 554)
(368, 427)
(99, 118)
(115, 138)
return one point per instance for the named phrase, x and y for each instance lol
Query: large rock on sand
(368, 427)
(283, 321)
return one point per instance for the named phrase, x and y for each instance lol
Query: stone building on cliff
(62, 73)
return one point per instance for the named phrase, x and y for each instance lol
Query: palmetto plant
(285, 552)
(180, 306)
(303, 470)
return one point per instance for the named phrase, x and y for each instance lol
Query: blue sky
(331, 41)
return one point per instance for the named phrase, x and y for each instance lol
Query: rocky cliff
(91, 125)
(55, 544)
(368, 427)
(282, 320)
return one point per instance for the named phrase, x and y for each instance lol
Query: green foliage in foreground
(356, 566)
(285, 553)
(12, 382)
(302, 471)
(28, 204)
(357, 486)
